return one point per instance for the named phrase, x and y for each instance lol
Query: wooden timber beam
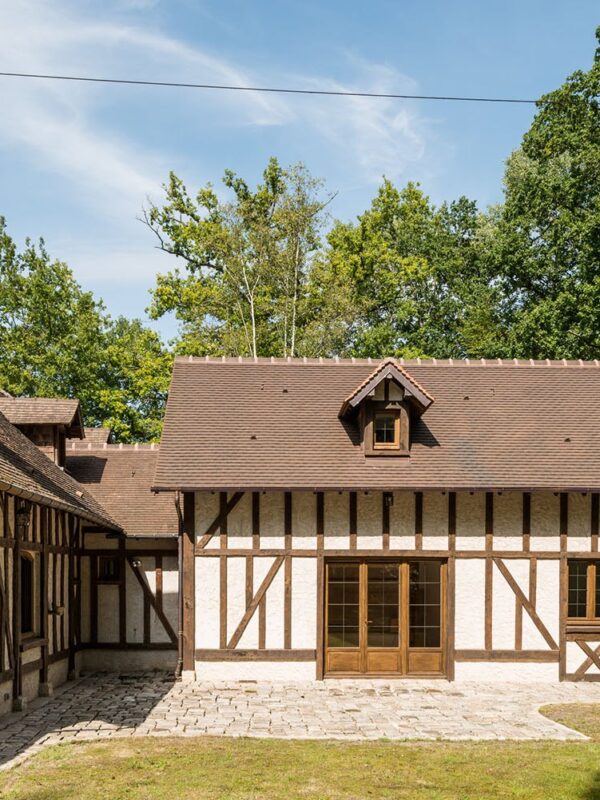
(217, 523)
(529, 608)
(267, 581)
(149, 596)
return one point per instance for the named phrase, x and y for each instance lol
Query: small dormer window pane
(386, 430)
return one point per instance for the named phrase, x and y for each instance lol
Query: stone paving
(152, 704)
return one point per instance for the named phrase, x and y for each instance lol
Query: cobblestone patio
(109, 706)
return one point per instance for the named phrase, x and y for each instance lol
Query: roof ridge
(398, 361)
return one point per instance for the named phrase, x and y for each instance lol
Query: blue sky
(77, 161)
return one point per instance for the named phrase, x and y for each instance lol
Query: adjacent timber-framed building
(394, 518)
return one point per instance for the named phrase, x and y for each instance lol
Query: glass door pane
(383, 605)
(425, 604)
(343, 605)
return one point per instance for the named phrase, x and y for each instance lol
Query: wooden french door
(385, 617)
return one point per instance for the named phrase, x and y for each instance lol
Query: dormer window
(386, 430)
(384, 406)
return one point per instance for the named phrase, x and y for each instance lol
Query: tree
(247, 260)
(546, 251)
(413, 274)
(56, 340)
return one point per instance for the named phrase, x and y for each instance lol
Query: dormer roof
(388, 370)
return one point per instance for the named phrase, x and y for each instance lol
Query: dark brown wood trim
(320, 666)
(320, 500)
(489, 569)
(43, 584)
(287, 580)
(255, 520)
(540, 656)
(268, 579)
(352, 519)
(220, 519)
(564, 520)
(249, 579)
(418, 520)
(595, 521)
(387, 498)
(526, 521)
(452, 521)
(528, 607)
(129, 646)
(540, 555)
(187, 581)
(593, 658)
(256, 655)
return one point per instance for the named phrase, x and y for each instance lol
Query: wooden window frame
(401, 445)
(395, 444)
(592, 616)
(107, 581)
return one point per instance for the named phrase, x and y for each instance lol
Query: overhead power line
(268, 89)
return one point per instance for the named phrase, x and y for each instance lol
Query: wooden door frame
(446, 606)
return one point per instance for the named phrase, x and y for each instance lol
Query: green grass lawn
(255, 769)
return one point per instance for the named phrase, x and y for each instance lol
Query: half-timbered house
(418, 518)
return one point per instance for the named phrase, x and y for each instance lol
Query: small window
(27, 588)
(386, 430)
(109, 570)
(584, 590)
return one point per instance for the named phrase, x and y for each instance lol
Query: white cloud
(74, 130)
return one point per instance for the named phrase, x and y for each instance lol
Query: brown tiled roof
(96, 436)
(388, 368)
(120, 477)
(241, 424)
(43, 411)
(27, 472)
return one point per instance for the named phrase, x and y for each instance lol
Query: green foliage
(547, 247)
(56, 340)
(243, 287)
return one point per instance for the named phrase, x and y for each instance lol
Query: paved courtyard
(151, 704)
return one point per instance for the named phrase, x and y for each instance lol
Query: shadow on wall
(97, 706)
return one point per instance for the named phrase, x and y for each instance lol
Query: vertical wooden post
(45, 688)
(123, 590)
(452, 521)
(19, 527)
(287, 600)
(489, 567)
(352, 519)
(223, 594)
(71, 528)
(387, 498)
(187, 581)
(564, 520)
(418, 520)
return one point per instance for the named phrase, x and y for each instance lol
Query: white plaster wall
(470, 521)
(402, 521)
(272, 520)
(508, 521)
(207, 509)
(520, 672)
(239, 523)
(545, 518)
(304, 520)
(108, 619)
(547, 605)
(469, 631)
(256, 670)
(503, 607)
(304, 603)
(435, 521)
(369, 523)
(337, 518)
(207, 602)
(236, 596)
(580, 513)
